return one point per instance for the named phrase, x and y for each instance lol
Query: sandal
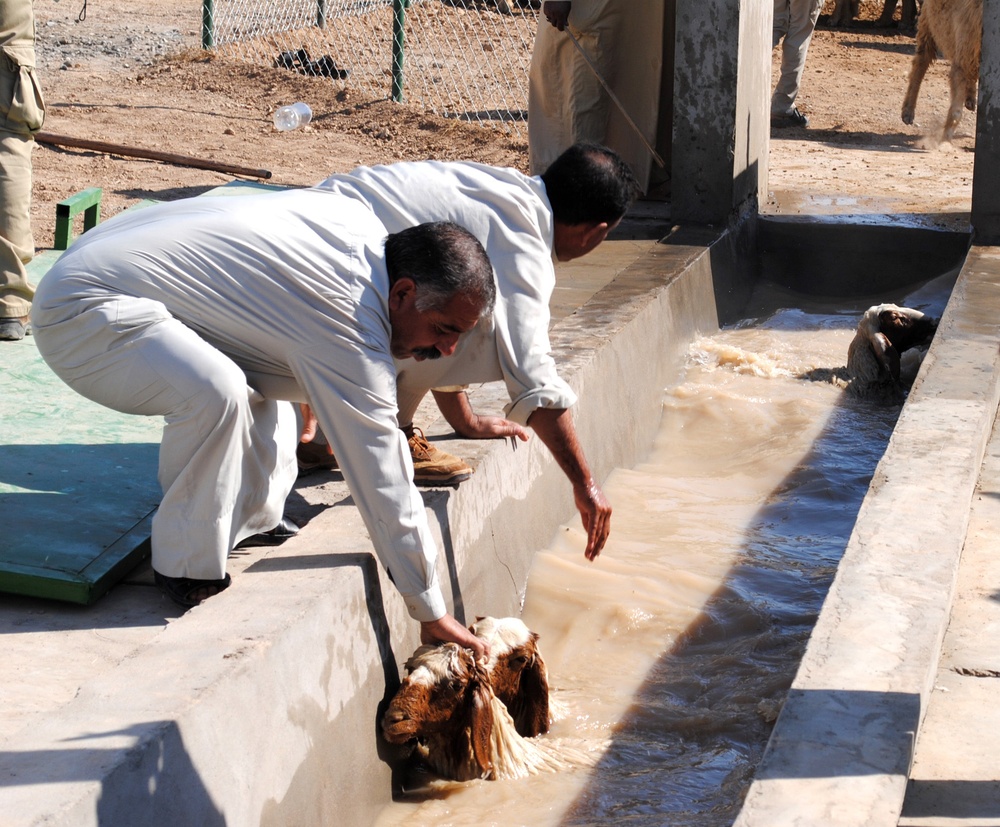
(182, 589)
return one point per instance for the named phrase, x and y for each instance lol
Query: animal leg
(844, 11)
(922, 58)
(888, 10)
(970, 99)
(959, 99)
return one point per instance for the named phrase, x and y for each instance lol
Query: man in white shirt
(210, 311)
(524, 223)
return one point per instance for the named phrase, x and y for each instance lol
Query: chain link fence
(463, 59)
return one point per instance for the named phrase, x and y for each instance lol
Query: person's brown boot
(432, 466)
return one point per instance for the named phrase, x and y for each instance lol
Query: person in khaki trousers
(794, 23)
(22, 111)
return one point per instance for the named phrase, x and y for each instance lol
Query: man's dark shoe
(275, 537)
(788, 119)
(184, 591)
(13, 330)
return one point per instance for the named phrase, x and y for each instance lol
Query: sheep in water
(517, 672)
(510, 691)
(874, 357)
(462, 729)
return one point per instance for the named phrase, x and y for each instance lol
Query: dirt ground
(134, 74)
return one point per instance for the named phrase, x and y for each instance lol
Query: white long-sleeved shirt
(290, 286)
(510, 214)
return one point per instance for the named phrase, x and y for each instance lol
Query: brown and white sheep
(955, 28)
(517, 672)
(874, 357)
(463, 731)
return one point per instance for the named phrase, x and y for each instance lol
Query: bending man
(523, 222)
(208, 311)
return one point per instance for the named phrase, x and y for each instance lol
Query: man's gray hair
(443, 259)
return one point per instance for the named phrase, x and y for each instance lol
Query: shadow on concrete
(368, 566)
(968, 800)
(439, 505)
(174, 792)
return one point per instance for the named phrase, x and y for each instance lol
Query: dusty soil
(857, 155)
(133, 73)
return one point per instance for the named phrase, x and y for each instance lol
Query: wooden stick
(151, 154)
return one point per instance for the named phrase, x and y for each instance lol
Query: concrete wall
(721, 118)
(854, 258)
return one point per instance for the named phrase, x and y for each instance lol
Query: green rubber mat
(77, 484)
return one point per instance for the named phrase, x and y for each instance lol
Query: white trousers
(227, 457)
(795, 21)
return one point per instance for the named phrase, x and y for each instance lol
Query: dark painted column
(986, 173)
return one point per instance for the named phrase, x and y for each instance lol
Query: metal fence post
(207, 24)
(398, 38)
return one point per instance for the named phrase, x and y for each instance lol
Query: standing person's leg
(779, 26)
(17, 246)
(802, 16)
(22, 112)
(549, 120)
(227, 457)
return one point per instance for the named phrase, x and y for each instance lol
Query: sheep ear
(886, 354)
(481, 721)
(535, 696)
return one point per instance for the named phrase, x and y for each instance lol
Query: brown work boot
(432, 466)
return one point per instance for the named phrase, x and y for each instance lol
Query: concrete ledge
(853, 256)
(842, 746)
(261, 707)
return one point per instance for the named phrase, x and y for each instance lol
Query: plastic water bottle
(292, 116)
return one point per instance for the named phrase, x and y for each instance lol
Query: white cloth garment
(566, 101)
(208, 310)
(511, 216)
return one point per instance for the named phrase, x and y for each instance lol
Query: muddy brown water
(670, 656)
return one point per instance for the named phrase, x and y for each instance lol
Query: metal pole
(321, 13)
(398, 38)
(208, 24)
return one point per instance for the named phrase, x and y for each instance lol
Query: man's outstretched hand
(448, 630)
